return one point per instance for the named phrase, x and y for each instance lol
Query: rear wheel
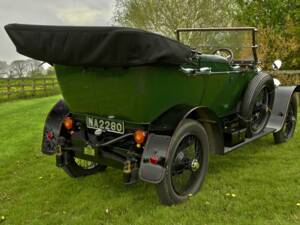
(76, 167)
(187, 163)
(289, 126)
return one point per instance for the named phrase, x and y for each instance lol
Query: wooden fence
(27, 87)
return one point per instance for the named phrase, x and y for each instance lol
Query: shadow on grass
(241, 157)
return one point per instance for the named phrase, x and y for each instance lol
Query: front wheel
(289, 126)
(187, 163)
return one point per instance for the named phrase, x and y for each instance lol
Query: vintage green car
(153, 106)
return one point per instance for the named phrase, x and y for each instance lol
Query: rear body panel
(141, 94)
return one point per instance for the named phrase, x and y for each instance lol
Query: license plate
(105, 124)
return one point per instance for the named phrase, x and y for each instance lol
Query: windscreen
(239, 42)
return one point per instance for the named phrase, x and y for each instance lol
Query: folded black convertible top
(96, 46)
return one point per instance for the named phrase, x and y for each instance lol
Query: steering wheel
(224, 52)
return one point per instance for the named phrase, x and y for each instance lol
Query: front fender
(283, 95)
(53, 124)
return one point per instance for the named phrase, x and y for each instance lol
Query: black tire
(179, 162)
(257, 104)
(74, 169)
(290, 122)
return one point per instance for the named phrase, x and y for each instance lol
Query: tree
(168, 15)
(3, 65)
(50, 71)
(274, 14)
(33, 67)
(277, 21)
(17, 68)
(279, 32)
(275, 45)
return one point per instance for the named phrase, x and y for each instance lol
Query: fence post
(53, 85)
(44, 86)
(18, 86)
(33, 87)
(22, 87)
(8, 88)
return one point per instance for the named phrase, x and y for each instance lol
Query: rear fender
(158, 145)
(53, 124)
(168, 121)
(212, 125)
(283, 95)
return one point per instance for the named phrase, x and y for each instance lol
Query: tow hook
(130, 172)
(59, 158)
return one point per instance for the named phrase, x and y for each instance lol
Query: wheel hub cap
(195, 165)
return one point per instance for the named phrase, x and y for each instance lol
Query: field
(258, 184)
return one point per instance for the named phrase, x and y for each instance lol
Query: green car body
(142, 94)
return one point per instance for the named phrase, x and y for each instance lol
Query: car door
(223, 87)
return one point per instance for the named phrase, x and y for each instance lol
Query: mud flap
(157, 146)
(53, 124)
(283, 95)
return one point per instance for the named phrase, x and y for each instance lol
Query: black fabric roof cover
(96, 46)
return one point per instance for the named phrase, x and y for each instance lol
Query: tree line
(276, 20)
(23, 68)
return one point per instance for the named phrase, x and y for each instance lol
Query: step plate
(248, 140)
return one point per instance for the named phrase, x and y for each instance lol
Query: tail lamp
(68, 123)
(139, 136)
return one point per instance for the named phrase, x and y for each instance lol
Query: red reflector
(153, 159)
(50, 135)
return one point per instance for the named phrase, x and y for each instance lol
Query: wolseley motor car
(153, 106)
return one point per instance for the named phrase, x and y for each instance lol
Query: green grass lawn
(258, 184)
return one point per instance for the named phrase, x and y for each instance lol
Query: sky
(50, 12)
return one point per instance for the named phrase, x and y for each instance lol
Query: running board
(248, 140)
